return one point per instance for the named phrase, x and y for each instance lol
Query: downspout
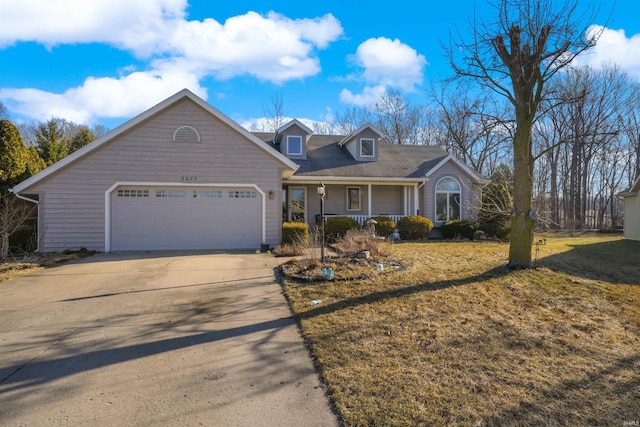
(37, 202)
(415, 199)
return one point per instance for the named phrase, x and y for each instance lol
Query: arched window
(447, 200)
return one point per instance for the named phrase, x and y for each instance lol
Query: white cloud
(391, 63)
(263, 124)
(180, 52)
(614, 47)
(101, 97)
(368, 97)
(134, 25)
(328, 117)
(385, 64)
(272, 47)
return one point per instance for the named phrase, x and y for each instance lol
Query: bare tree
(583, 145)
(274, 113)
(474, 127)
(352, 118)
(396, 117)
(324, 128)
(515, 56)
(393, 114)
(13, 214)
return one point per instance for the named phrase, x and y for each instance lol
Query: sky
(105, 61)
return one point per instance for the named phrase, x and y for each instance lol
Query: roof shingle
(326, 158)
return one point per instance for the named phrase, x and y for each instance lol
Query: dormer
(363, 143)
(293, 138)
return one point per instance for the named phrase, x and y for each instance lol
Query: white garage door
(145, 218)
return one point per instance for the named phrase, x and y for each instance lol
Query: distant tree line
(586, 140)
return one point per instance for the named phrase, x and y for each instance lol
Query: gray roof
(326, 158)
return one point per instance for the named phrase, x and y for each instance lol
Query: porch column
(416, 200)
(404, 200)
(369, 200)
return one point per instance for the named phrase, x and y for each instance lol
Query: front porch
(357, 200)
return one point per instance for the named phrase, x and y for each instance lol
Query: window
(294, 145)
(297, 204)
(447, 200)
(207, 194)
(132, 193)
(239, 194)
(186, 134)
(366, 147)
(171, 194)
(353, 198)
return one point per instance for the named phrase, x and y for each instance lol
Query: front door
(297, 204)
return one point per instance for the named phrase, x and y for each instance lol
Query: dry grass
(356, 241)
(456, 338)
(12, 268)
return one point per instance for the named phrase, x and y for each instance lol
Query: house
(632, 211)
(182, 175)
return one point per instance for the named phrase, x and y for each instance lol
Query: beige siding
(73, 214)
(470, 194)
(294, 130)
(336, 200)
(353, 146)
(386, 199)
(632, 217)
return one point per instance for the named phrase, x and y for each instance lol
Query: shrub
(286, 250)
(414, 227)
(25, 239)
(458, 230)
(356, 241)
(336, 227)
(494, 217)
(295, 233)
(384, 226)
(499, 228)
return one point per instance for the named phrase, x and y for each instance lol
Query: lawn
(449, 336)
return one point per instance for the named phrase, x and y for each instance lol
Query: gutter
(302, 179)
(626, 194)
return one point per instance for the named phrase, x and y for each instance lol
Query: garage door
(145, 218)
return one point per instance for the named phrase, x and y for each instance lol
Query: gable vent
(186, 134)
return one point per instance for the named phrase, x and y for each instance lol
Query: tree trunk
(4, 245)
(521, 222)
(555, 210)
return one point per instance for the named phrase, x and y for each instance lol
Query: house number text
(188, 178)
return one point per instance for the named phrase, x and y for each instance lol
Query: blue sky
(105, 61)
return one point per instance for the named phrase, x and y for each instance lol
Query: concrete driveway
(155, 339)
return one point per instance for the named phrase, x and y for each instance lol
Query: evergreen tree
(17, 162)
(51, 142)
(14, 155)
(83, 137)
